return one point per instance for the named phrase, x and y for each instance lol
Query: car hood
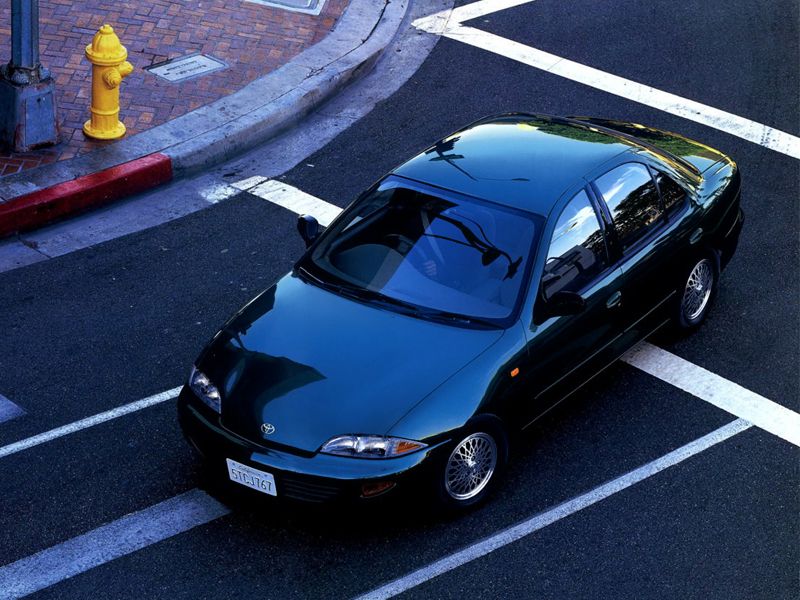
(315, 365)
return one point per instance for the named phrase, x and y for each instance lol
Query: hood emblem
(267, 428)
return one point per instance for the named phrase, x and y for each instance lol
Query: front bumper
(315, 478)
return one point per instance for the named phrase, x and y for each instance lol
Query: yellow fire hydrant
(109, 67)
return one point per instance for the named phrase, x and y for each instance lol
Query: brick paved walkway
(251, 38)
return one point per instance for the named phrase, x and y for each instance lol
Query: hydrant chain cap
(106, 49)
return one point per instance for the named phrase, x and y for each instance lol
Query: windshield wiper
(376, 298)
(326, 285)
(443, 315)
(353, 291)
(432, 314)
(308, 275)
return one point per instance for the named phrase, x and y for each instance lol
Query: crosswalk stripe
(727, 395)
(452, 28)
(291, 198)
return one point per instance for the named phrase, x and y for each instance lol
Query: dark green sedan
(459, 298)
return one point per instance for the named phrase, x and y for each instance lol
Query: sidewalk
(226, 112)
(251, 38)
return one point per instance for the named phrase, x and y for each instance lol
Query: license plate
(252, 478)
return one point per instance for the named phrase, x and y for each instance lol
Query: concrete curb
(69, 197)
(210, 134)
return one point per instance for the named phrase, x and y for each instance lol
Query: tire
(697, 291)
(472, 467)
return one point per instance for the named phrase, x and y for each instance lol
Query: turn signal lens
(373, 489)
(403, 446)
(369, 446)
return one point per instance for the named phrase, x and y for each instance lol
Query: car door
(564, 351)
(649, 256)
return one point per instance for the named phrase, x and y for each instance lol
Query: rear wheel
(696, 292)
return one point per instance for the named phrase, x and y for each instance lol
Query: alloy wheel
(698, 288)
(470, 466)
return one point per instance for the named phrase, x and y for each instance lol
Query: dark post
(25, 34)
(27, 91)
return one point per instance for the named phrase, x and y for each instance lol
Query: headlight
(370, 446)
(204, 389)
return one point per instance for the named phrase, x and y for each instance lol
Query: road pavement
(98, 328)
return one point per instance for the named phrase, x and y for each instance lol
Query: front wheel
(472, 468)
(696, 293)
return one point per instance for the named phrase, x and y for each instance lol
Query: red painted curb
(70, 197)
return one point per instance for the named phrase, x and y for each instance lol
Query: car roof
(525, 161)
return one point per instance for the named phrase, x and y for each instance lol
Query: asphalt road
(101, 327)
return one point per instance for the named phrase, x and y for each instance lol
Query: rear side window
(671, 193)
(632, 199)
(577, 252)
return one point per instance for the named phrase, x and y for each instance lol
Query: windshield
(430, 254)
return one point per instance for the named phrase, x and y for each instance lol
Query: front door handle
(614, 300)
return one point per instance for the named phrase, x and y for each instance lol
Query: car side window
(671, 193)
(632, 199)
(577, 252)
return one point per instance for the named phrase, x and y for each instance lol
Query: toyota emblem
(267, 428)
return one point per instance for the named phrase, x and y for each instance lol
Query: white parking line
(451, 27)
(113, 540)
(529, 526)
(88, 422)
(741, 402)
(9, 410)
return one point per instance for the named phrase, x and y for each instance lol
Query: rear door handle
(614, 300)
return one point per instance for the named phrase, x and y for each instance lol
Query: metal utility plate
(311, 7)
(186, 67)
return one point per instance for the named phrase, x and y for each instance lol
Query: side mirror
(565, 303)
(560, 303)
(308, 227)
